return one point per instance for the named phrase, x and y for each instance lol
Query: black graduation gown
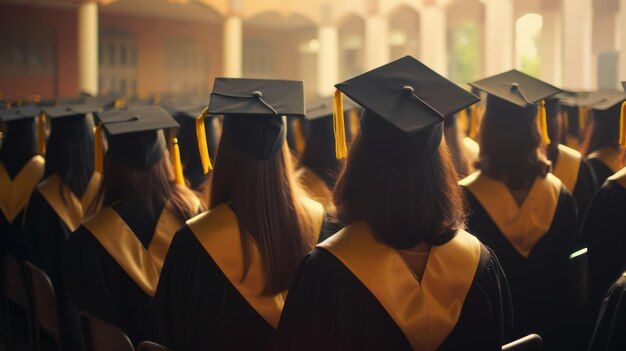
(544, 294)
(601, 170)
(103, 287)
(604, 231)
(610, 330)
(22, 183)
(47, 228)
(582, 184)
(199, 305)
(329, 307)
(604, 162)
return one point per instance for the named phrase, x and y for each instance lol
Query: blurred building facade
(57, 48)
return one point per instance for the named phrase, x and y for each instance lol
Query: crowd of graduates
(403, 212)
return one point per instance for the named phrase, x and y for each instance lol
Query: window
(258, 58)
(118, 61)
(27, 51)
(186, 66)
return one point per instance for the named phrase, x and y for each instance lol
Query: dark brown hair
(265, 197)
(510, 144)
(403, 207)
(453, 136)
(603, 130)
(151, 187)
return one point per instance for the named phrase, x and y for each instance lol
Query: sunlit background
(58, 48)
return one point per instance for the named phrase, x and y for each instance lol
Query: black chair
(17, 306)
(45, 306)
(151, 346)
(99, 335)
(532, 342)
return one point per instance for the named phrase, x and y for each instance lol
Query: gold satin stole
(619, 177)
(472, 148)
(218, 232)
(65, 203)
(425, 311)
(143, 265)
(522, 226)
(609, 156)
(314, 186)
(567, 166)
(15, 193)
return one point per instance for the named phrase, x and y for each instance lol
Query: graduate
(319, 168)
(114, 258)
(186, 116)
(603, 145)
(609, 332)
(21, 168)
(403, 274)
(523, 212)
(226, 275)
(574, 118)
(603, 231)
(568, 164)
(60, 203)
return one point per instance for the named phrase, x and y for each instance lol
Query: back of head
(19, 144)
(510, 144)
(403, 206)
(319, 152)
(69, 151)
(604, 130)
(260, 188)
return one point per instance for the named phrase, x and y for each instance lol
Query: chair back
(99, 335)
(532, 342)
(44, 301)
(151, 346)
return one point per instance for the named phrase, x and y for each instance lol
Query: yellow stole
(472, 148)
(426, 312)
(619, 177)
(218, 232)
(567, 166)
(14, 194)
(609, 156)
(69, 207)
(315, 186)
(141, 264)
(522, 226)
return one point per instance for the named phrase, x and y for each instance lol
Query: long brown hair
(151, 187)
(265, 197)
(403, 207)
(453, 136)
(510, 144)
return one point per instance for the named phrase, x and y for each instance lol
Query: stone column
(577, 55)
(433, 39)
(88, 47)
(233, 41)
(499, 36)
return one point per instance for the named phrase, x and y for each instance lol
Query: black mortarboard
(603, 100)
(135, 135)
(405, 103)
(253, 112)
(69, 110)
(18, 113)
(323, 107)
(516, 87)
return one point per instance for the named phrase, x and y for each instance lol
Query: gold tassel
(178, 167)
(582, 119)
(98, 149)
(543, 122)
(202, 143)
(355, 123)
(341, 150)
(622, 126)
(41, 134)
(298, 135)
(473, 122)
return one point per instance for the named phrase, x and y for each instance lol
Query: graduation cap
(606, 104)
(254, 111)
(513, 89)
(136, 137)
(405, 103)
(29, 112)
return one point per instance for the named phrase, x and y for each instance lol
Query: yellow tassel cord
(543, 122)
(355, 123)
(41, 134)
(462, 120)
(341, 149)
(298, 135)
(98, 149)
(202, 143)
(176, 161)
(582, 119)
(622, 126)
(473, 122)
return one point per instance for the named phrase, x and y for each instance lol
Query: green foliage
(464, 52)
